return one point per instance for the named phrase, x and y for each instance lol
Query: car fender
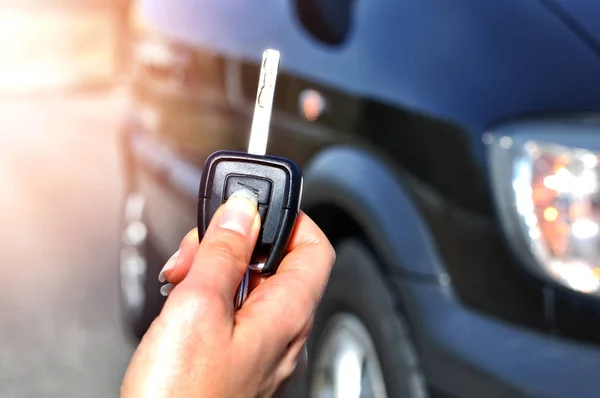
(362, 185)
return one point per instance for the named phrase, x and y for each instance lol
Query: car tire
(357, 303)
(140, 263)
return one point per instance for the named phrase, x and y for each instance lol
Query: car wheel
(140, 264)
(360, 345)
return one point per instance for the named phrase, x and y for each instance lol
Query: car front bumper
(465, 353)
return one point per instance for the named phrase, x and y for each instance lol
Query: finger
(307, 267)
(179, 265)
(224, 253)
(306, 232)
(304, 272)
(287, 300)
(299, 364)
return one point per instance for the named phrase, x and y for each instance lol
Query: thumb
(226, 248)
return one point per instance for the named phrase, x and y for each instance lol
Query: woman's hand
(199, 346)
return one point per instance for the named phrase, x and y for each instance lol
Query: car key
(276, 181)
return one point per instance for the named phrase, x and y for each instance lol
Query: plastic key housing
(277, 183)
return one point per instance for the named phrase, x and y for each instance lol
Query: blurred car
(450, 153)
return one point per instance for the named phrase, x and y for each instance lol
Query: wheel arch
(348, 191)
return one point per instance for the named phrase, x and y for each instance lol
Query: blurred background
(60, 101)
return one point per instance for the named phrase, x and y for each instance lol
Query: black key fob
(276, 182)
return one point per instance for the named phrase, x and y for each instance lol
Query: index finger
(286, 301)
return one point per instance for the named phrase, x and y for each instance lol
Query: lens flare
(550, 214)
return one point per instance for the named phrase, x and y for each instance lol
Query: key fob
(277, 183)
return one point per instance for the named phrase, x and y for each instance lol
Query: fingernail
(239, 212)
(168, 266)
(166, 289)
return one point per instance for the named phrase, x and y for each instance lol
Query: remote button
(261, 187)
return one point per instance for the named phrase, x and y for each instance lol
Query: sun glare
(46, 47)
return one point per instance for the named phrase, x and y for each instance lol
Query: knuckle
(191, 305)
(190, 302)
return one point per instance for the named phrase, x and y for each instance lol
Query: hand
(199, 346)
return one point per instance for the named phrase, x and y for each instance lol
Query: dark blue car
(450, 152)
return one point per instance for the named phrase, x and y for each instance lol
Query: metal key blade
(242, 291)
(259, 134)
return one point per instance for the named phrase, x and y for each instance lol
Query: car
(449, 152)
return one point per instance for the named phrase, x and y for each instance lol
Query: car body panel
(468, 354)
(369, 191)
(467, 61)
(583, 15)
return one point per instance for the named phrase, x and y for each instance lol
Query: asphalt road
(60, 334)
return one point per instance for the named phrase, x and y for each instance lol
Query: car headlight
(546, 182)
